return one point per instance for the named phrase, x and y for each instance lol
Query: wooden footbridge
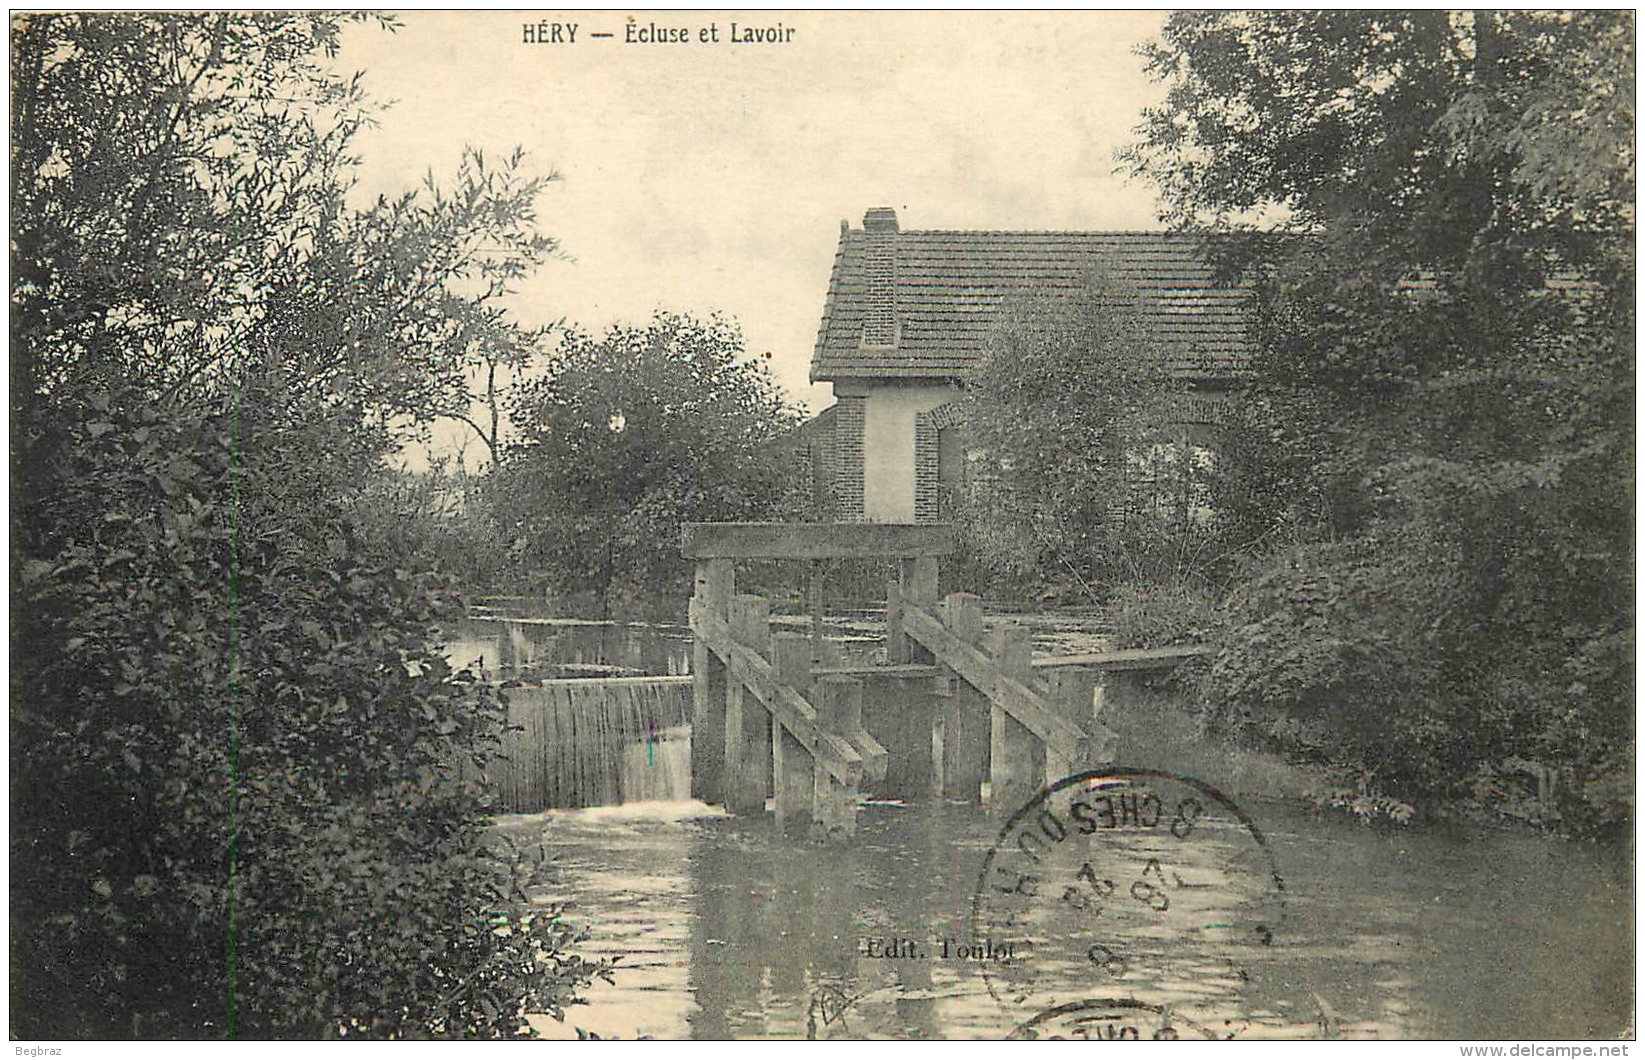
(782, 715)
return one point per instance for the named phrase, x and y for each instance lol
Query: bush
(439, 522)
(241, 767)
(1159, 615)
(1376, 657)
(1325, 656)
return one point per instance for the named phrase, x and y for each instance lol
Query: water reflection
(728, 930)
(1141, 886)
(505, 648)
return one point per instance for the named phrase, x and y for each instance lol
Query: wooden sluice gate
(780, 715)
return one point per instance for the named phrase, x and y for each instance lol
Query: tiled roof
(949, 288)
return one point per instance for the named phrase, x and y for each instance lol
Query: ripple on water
(731, 931)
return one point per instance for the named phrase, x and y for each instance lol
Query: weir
(955, 711)
(594, 742)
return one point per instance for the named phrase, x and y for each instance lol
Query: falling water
(596, 742)
(595, 721)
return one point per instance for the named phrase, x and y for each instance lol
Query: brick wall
(927, 506)
(845, 458)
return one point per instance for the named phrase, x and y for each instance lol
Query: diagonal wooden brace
(788, 708)
(1022, 701)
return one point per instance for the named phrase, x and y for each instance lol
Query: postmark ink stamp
(1136, 903)
(1111, 1020)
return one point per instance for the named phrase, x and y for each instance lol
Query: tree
(630, 435)
(244, 785)
(1084, 469)
(1448, 340)
(1444, 171)
(436, 264)
(244, 794)
(179, 220)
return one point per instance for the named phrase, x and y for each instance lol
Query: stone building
(908, 313)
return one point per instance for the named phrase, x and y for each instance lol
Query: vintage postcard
(823, 525)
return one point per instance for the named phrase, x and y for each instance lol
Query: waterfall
(595, 742)
(658, 770)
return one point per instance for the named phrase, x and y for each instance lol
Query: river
(725, 929)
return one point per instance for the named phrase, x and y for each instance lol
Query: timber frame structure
(780, 715)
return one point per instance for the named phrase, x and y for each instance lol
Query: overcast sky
(709, 176)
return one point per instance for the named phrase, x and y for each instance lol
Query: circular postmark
(1110, 1019)
(1133, 887)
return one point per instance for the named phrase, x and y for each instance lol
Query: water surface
(726, 929)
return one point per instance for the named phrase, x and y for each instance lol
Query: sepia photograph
(823, 525)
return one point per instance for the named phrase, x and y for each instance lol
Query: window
(1169, 482)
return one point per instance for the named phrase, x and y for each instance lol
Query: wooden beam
(588, 682)
(1022, 702)
(788, 708)
(917, 584)
(897, 648)
(814, 591)
(912, 671)
(1130, 658)
(1074, 690)
(875, 757)
(966, 716)
(834, 804)
(815, 540)
(793, 781)
(748, 756)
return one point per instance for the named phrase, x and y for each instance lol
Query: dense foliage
(244, 792)
(632, 434)
(180, 212)
(440, 519)
(243, 783)
(1447, 377)
(1084, 476)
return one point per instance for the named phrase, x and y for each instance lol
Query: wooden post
(896, 641)
(964, 719)
(792, 782)
(747, 725)
(897, 712)
(917, 584)
(1104, 743)
(905, 717)
(942, 706)
(1016, 757)
(919, 581)
(839, 710)
(716, 584)
(885, 717)
(1074, 690)
(814, 590)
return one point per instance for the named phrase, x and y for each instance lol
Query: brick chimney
(880, 264)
